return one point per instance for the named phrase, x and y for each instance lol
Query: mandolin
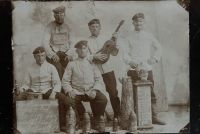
(109, 47)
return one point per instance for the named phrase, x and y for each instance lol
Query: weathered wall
(166, 20)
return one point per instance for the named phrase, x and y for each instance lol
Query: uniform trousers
(111, 87)
(98, 105)
(61, 65)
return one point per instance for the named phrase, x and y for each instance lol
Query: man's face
(82, 52)
(95, 29)
(59, 17)
(40, 58)
(138, 23)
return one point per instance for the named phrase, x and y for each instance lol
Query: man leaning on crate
(142, 53)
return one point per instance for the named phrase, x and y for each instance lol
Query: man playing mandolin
(95, 43)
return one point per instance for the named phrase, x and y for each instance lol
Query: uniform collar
(45, 63)
(94, 36)
(59, 25)
(82, 59)
(139, 31)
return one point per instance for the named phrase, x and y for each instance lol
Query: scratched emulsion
(37, 116)
(166, 20)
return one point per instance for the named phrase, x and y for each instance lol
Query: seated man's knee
(103, 98)
(61, 96)
(21, 96)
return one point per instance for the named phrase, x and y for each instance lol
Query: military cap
(94, 21)
(59, 9)
(39, 50)
(81, 43)
(138, 15)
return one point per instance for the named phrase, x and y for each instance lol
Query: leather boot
(62, 109)
(95, 122)
(155, 119)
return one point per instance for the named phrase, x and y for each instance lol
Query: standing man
(95, 43)
(82, 82)
(57, 41)
(41, 77)
(143, 52)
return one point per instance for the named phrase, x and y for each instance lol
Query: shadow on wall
(180, 94)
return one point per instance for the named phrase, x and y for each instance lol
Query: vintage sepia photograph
(100, 66)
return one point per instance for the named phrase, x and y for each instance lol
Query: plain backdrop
(166, 20)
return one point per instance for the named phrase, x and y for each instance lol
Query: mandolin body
(109, 47)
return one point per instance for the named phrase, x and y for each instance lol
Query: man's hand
(133, 65)
(92, 94)
(137, 69)
(115, 35)
(55, 58)
(72, 94)
(29, 90)
(151, 61)
(69, 57)
(100, 56)
(17, 92)
(52, 96)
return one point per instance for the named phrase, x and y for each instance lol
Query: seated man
(41, 77)
(82, 82)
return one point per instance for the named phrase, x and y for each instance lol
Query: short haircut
(81, 43)
(94, 21)
(38, 50)
(59, 9)
(138, 15)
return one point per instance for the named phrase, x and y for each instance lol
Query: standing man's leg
(61, 65)
(155, 118)
(111, 87)
(63, 59)
(58, 66)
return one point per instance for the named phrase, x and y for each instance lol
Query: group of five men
(58, 75)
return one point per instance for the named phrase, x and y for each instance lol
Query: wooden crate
(142, 97)
(37, 116)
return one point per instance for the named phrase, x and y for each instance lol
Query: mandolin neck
(117, 29)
